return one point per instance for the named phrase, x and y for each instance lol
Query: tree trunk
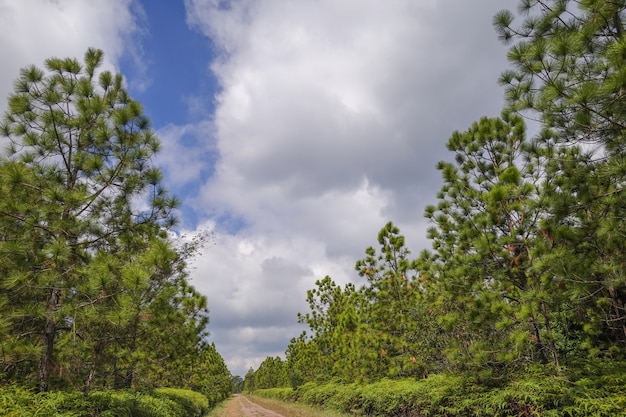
(88, 381)
(48, 335)
(128, 379)
(536, 339)
(130, 372)
(616, 318)
(95, 366)
(551, 346)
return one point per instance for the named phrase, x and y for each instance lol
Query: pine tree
(87, 148)
(271, 373)
(382, 329)
(304, 361)
(495, 294)
(333, 319)
(18, 249)
(568, 72)
(396, 317)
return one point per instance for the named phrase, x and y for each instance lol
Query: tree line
(527, 264)
(94, 292)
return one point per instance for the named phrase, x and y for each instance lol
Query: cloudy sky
(293, 130)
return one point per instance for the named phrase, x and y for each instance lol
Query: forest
(518, 307)
(96, 310)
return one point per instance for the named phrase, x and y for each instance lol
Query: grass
(219, 410)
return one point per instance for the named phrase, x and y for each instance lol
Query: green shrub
(281, 394)
(193, 403)
(133, 404)
(321, 394)
(347, 398)
(536, 391)
(302, 389)
(17, 401)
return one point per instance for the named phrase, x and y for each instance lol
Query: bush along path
(602, 395)
(163, 402)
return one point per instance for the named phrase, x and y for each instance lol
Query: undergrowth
(16, 401)
(599, 391)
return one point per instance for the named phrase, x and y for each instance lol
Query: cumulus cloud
(34, 30)
(186, 153)
(255, 284)
(317, 95)
(331, 118)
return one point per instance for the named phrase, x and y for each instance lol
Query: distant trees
(362, 334)
(271, 373)
(92, 291)
(335, 324)
(392, 314)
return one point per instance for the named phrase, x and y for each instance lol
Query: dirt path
(240, 406)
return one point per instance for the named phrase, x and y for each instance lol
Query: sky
(292, 130)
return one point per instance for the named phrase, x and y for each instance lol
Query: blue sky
(173, 81)
(177, 61)
(292, 130)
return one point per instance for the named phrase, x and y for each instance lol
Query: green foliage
(282, 394)
(379, 329)
(568, 72)
(16, 401)
(249, 383)
(194, 403)
(271, 373)
(305, 361)
(94, 293)
(334, 348)
(83, 154)
(487, 279)
(393, 311)
(165, 402)
(533, 393)
(134, 404)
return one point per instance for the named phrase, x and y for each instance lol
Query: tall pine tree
(85, 148)
(568, 71)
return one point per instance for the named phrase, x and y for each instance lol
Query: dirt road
(240, 406)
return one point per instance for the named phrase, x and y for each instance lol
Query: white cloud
(34, 30)
(255, 285)
(331, 118)
(186, 152)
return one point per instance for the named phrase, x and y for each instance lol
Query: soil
(241, 406)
